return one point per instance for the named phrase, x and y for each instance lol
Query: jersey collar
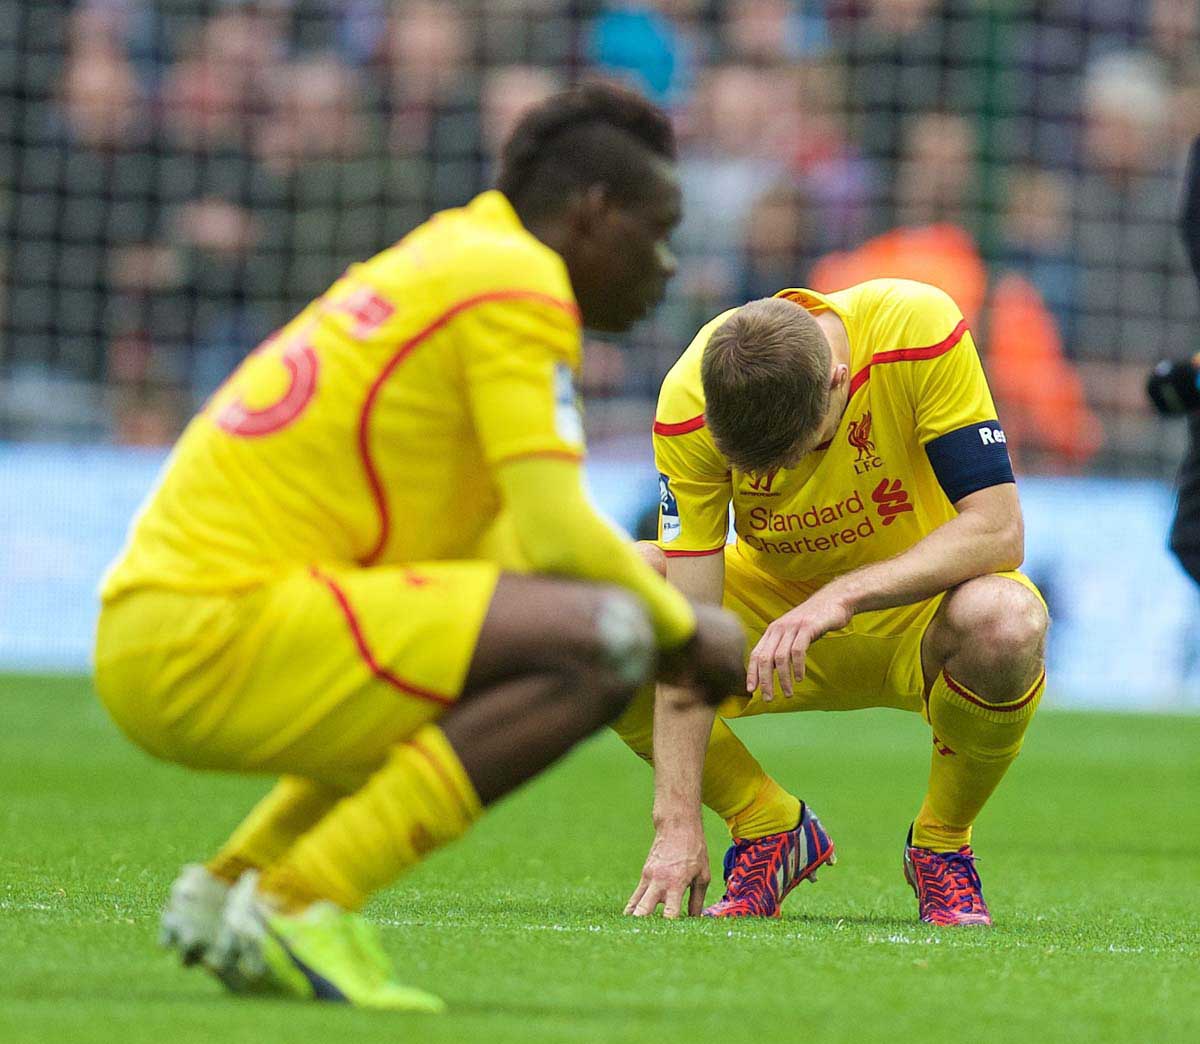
(813, 301)
(493, 206)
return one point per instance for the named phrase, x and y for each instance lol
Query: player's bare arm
(987, 536)
(678, 860)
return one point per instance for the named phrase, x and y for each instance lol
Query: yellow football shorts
(874, 662)
(317, 674)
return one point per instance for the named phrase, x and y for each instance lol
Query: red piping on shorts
(909, 355)
(364, 651)
(364, 420)
(693, 554)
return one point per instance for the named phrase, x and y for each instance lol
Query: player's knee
(616, 656)
(625, 643)
(999, 622)
(652, 555)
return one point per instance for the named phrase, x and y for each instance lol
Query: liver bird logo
(859, 436)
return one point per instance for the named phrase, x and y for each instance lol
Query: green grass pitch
(1090, 855)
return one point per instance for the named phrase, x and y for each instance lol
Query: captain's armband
(970, 459)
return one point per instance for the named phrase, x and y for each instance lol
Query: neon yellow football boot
(324, 953)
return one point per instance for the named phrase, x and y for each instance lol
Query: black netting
(180, 176)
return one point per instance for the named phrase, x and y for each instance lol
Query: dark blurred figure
(1174, 389)
(1136, 297)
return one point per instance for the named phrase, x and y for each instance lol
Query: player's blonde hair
(765, 373)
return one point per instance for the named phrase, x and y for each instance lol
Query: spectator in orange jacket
(1038, 391)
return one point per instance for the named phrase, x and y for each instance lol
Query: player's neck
(839, 350)
(835, 332)
(551, 232)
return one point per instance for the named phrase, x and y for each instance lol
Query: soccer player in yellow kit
(878, 530)
(308, 592)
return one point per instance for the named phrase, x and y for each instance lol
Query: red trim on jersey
(1004, 708)
(680, 427)
(931, 351)
(693, 554)
(364, 420)
(364, 650)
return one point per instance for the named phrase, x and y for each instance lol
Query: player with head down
(878, 534)
(309, 591)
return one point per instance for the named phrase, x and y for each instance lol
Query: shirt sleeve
(956, 418)
(694, 490)
(947, 384)
(519, 357)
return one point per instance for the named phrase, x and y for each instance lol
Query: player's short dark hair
(765, 372)
(595, 133)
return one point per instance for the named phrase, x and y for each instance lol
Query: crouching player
(878, 530)
(304, 593)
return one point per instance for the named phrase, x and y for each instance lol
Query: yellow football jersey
(919, 433)
(366, 430)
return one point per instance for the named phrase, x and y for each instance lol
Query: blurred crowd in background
(179, 177)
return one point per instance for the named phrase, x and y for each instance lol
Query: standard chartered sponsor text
(763, 520)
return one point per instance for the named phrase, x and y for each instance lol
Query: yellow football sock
(734, 785)
(293, 807)
(771, 811)
(974, 742)
(418, 801)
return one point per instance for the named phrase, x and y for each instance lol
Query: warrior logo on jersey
(858, 434)
(760, 485)
(668, 510)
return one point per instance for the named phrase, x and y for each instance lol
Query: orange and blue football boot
(946, 885)
(759, 872)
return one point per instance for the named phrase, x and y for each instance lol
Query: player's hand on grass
(677, 863)
(710, 663)
(784, 644)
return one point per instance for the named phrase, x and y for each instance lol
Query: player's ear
(590, 209)
(838, 376)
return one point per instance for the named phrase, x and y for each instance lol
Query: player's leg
(192, 915)
(295, 805)
(735, 786)
(335, 677)
(1185, 526)
(554, 662)
(292, 807)
(776, 840)
(983, 661)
